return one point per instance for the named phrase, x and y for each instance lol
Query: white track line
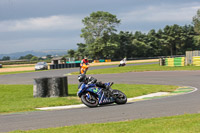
(62, 107)
(128, 100)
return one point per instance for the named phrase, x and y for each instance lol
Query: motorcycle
(84, 69)
(122, 63)
(95, 96)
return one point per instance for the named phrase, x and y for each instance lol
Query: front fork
(88, 95)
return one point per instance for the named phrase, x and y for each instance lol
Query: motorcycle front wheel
(120, 97)
(89, 100)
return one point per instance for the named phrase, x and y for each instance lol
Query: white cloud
(60, 22)
(161, 13)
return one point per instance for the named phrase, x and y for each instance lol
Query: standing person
(84, 65)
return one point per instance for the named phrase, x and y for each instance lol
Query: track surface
(169, 106)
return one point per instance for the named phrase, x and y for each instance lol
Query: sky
(27, 25)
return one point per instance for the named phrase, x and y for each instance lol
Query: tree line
(102, 41)
(28, 57)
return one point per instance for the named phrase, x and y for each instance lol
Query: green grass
(7, 73)
(19, 98)
(189, 123)
(117, 63)
(139, 68)
(10, 66)
(133, 90)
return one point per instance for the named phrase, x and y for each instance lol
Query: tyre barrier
(96, 61)
(102, 60)
(62, 66)
(196, 60)
(50, 87)
(108, 60)
(178, 61)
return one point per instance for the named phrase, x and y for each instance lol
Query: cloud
(161, 13)
(50, 23)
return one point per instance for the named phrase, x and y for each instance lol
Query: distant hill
(39, 53)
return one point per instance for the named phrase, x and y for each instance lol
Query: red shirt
(84, 61)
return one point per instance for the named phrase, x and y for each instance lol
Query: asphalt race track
(28, 78)
(168, 106)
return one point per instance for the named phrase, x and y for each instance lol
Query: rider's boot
(108, 89)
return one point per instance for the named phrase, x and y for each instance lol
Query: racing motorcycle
(95, 96)
(122, 63)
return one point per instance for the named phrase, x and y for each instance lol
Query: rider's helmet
(82, 78)
(85, 58)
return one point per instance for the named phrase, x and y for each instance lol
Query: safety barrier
(102, 60)
(169, 61)
(108, 60)
(96, 61)
(196, 60)
(178, 61)
(190, 55)
(67, 65)
(73, 62)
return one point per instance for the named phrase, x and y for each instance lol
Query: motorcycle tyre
(87, 103)
(119, 100)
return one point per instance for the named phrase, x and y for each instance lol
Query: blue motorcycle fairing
(103, 99)
(82, 88)
(96, 90)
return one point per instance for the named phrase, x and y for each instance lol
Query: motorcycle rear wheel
(90, 102)
(120, 97)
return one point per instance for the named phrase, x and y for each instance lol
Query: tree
(186, 39)
(196, 22)
(49, 56)
(34, 58)
(177, 39)
(71, 53)
(196, 43)
(21, 57)
(125, 47)
(99, 26)
(6, 58)
(171, 38)
(28, 56)
(82, 51)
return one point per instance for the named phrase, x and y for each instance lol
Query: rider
(84, 61)
(92, 82)
(123, 62)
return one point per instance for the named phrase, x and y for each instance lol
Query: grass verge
(17, 66)
(139, 68)
(7, 73)
(19, 98)
(189, 123)
(117, 63)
